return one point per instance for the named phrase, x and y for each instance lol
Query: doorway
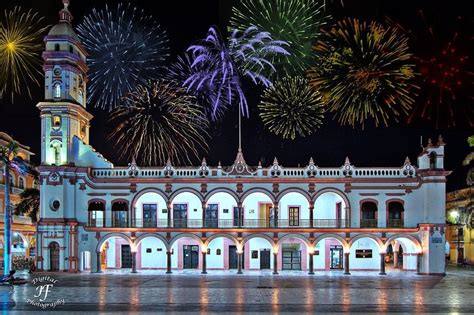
(180, 215)
(265, 258)
(336, 254)
(264, 214)
(190, 256)
(54, 256)
(291, 257)
(211, 215)
(126, 256)
(233, 257)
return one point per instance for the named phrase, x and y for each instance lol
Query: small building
(23, 229)
(459, 230)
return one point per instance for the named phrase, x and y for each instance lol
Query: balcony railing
(222, 224)
(395, 223)
(368, 223)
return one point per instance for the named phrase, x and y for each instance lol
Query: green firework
(290, 108)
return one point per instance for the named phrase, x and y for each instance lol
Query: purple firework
(219, 65)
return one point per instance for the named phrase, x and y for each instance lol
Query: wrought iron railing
(223, 223)
(395, 223)
(368, 223)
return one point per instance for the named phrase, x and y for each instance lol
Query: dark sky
(187, 21)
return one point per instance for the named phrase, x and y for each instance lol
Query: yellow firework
(21, 34)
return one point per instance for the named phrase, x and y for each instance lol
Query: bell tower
(63, 113)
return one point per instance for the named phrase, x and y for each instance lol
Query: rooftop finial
(64, 14)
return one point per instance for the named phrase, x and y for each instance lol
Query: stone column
(346, 264)
(169, 215)
(239, 206)
(311, 268)
(418, 263)
(99, 264)
(275, 263)
(168, 261)
(382, 264)
(134, 262)
(239, 263)
(311, 215)
(204, 271)
(395, 259)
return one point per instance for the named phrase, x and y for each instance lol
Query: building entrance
(190, 256)
(126, 256)
(291, 255)
(336, 257)
(265, 259)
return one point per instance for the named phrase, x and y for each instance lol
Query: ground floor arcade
(294, 252)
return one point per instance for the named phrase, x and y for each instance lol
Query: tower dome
(64, 27)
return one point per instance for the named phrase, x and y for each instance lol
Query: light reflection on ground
(253, 292)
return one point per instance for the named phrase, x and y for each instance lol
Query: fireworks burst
(21, 35)
(291, 108)
(363, 71)
(446, 73)
(158, 121)
(220, 66)
(126, 48)
(296, 22)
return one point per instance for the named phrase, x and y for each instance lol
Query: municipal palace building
(96, 217)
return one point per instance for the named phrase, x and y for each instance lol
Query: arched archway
(151, 251)
(115, 251)
(258, 252)
(186, 251)
(331, 209)
(54, 256)
(258, 208)
(293, 252)
(404, 251)
(365, 250)
(221, 209)
(147, 209)
(329, 252)
(293, 208)
(186, 208)
(221, 251)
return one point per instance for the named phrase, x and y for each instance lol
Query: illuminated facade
(95, 216)
(23, 229)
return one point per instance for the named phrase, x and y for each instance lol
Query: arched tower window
(56, 147)
(57, 90)
(21, 183)
(395, 214)
(71, 50)
(433, 158)
(368, 214)
(80, 96)
(56, 47)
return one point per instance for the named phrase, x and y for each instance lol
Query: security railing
(221, 224)
(368, 223)
(395, 223)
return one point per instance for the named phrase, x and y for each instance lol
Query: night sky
(187, 21)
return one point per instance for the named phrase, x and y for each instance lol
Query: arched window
(368, 214)
(96, 213)
(56, 147)
(57, 90)
(56, 47)
(80, 96)
(433, 158)
(395, 214)
(21, 183)
(119, 214)
(71, 50)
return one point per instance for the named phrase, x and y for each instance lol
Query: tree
(11, 162)
(29, 204)
(467, 161)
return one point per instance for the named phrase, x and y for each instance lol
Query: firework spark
(296, 22)
(446, 72)
(363, 71)
(21, 35)
(157, 122)
(221, 66)
(126, 48)
(291, 108)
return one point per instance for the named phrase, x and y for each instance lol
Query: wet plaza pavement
(218, 292)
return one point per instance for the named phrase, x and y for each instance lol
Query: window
(433, 158)
(119, 212)
(56, 47)
(211, 215)
(218, 251)
(56, 146)
(395, 214)
(57, 90)
(96, 213)
(180, 215)
(56, 122)
(368, 214)
(80, 96)
(71, 50)
(149, 215)
(21, 183)
(294, 216)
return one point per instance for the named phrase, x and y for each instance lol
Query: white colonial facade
(95, 216)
